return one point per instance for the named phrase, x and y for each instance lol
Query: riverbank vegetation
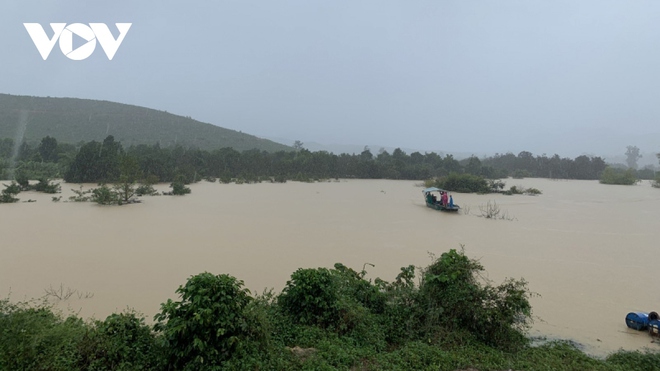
(442, 317)
(108, 162)
(96, 162)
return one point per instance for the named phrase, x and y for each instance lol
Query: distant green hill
(71, 120)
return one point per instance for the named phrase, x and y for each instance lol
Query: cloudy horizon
(546, 77)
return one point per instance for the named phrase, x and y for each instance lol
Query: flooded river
(589, 250)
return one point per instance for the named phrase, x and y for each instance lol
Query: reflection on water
(588, 249)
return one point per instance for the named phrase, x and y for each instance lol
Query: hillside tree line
(92, 162)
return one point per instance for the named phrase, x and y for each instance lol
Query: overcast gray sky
(567, 77)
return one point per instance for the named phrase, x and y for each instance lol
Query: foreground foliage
(324, 319)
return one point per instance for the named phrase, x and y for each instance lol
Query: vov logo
(64, 33)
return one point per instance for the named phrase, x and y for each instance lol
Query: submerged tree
(130, 173)
(7, 195)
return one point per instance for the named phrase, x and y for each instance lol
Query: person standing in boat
(451, 202)
(444, 199)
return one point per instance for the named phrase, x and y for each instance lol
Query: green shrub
(617, 176)
(465, 183)
(514, 190)
(451, 297)
(311, 297)
(146, 190)
(121, 342)
(495, 185)
(32, 337)
(647, 361)
(104, 195)
(400, 319)
(533, 191)
(11, 190)
(208, 325)
(179, 189)
(44, 185)
(23, 180)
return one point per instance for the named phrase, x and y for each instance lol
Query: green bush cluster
(146, 190)
(618, 176)
(324, 319)
(464, 183)
(209, 325)
(515, 190)
(35, 337)
(7, 194)
(179, 189)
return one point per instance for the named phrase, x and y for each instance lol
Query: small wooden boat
(433, 201)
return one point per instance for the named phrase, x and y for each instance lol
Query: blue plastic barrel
(637, 320)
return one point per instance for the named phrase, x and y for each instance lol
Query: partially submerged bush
(179, 189)
(465, 183)
(618, 176)
(44, 185)
(533, 191)
(7, 194)
(146, 190)
(80, 195)
(104, 195)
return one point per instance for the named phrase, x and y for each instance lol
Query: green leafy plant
(104, 195)
(453, 298)
(206, 327)
(179, 189)
(33, 337)
(311, 297)
(121, 342)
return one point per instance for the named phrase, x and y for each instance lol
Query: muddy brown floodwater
(589, 250)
